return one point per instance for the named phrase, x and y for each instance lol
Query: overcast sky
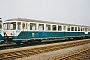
(66, 11)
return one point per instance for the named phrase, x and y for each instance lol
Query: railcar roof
(41, 21)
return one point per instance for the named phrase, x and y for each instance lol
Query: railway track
(18, 53)
(13, 45)
(7, 46)
(75, 54)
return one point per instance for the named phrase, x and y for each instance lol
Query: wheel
(18, 43)
(66, 38)
(39, 41)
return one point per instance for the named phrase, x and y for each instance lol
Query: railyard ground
(55, 55)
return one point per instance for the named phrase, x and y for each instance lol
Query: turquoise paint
(1, 39)
(36, 34)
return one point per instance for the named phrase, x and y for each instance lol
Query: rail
(20, 53)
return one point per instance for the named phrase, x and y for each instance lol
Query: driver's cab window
(5, 26)
(12, 26)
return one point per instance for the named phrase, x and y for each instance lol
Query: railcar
(22, 30)
(1, 32)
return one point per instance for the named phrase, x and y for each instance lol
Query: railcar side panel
(36, 35)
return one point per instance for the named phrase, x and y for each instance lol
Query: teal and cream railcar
(1, 32)
(22, 30)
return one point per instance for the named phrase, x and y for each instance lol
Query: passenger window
(48, 27)
(23, 26)
(68, 28)
(19, 25)
(75, 28)
(0, 24)
(59, 28)
(41, 27)
(53, 27)
(32, 26)
(81, 28)
(78, 28)
(28, 25)
(72, 28)
(87, 29)
(64, 28)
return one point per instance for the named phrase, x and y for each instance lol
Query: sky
(64, 11)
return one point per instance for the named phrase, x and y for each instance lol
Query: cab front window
(9, 26)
